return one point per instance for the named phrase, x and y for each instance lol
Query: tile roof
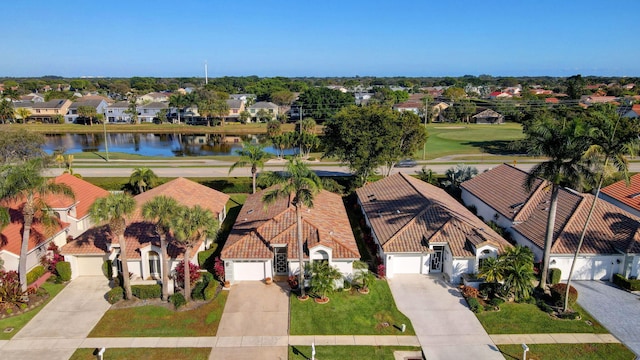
(11, 235)
(628, 195)
(94, 103)
(263, 105)
(140, 233)
(406, 214)
(52, 104)
(257, 228)
(85, 193)
(611, 229)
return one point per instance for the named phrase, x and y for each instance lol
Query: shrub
(206, 259)
(51, 258)
(107, 269)
(194, 273)
(557, 294)
(542, 305)
(470, 292)
(629, 284)
(218, 269)
(569, 315)
(475, 305)
(146, 291)
(210, 291)
(114, 295)
(496, 301)
(63, 268)
(554, 275)
(178, 300)
(381, 271)
(490, 288)
(35, 274)
(198, 291)
(207, 277)
(10, 290)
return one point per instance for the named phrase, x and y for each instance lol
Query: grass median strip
(145, 354)
(348, 352)
(568, 352)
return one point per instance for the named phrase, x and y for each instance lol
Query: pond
(169, 145)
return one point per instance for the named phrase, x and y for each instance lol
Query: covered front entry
(280, 261)
(436, 259)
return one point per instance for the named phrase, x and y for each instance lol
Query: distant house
(415, 107)
(593, 99)
(98, 104)
(420, 229)
(263, 241)
(88, 252)
(362, 98)
(32, 97)
(626, 197)
(633, 112)
(235, 108)
(150, 111)
(488, 116)
(246, 98)
(500, 95)
(269, 107)
(47, 111)
(118, 113)
(153, 97)
(611, 245)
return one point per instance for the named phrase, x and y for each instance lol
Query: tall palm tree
(563, 144)
(114, 210)
(25, 183)
(190, 226)
(143, 179)
(253, 156)
(179, 102)
(301, 183)
(613, 137)
(162, 210)
(5, 219)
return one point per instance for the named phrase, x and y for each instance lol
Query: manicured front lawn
(19, 321)
(350, 313)
(568, 352)
(347, 352)
(145, 354)
(153, 320)
(529, 319)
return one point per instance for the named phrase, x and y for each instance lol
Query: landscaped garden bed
(350, 313)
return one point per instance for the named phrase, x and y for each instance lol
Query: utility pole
(106, 139)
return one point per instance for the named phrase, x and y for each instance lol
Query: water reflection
(157, 144)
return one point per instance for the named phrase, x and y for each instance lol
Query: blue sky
(320, 38)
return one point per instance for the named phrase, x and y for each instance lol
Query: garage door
(248, 271)
(406, 264)
(90, 265)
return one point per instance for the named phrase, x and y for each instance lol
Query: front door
(436, 259)
(280, 264)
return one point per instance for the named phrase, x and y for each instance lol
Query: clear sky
(163, 38)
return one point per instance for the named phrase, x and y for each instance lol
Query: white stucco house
(72, 115)
(623, 195)
(88, 252)
(118, 113)
(150, 111)
(612, 242)
(419, 229)
(263, 241)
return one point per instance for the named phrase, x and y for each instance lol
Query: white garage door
(90, 265)
(243, 271)
(406, 264)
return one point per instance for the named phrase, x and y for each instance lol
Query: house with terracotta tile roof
(611, 244)
(88, 252)
(73, 218)
(623, 195)
(420, 229)
(263, 242)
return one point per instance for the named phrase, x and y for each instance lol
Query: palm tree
(162, 210)
(323, 278)
(6, 111)
(563, 144)
(363, 275)
(613, 137)
(25, 183)
(114, 210)
(87, 112)
(303, 184)
(5, 219)
(23, 114)
(253, 156)
(492, 270)
(179, 102)
(190, 226)
(143, 179)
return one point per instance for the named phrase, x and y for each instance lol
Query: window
(154, 264)
(118, 263)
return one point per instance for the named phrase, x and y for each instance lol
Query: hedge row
(114, 295)
(35, 274)
(63, 268)
(629, 284)
(146, 291)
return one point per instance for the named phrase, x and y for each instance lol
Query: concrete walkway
(440, 316)
(61, 326)
(616, 309)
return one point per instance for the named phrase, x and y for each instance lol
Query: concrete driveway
(616, 309)
(445, 326)
(59, 328)
(256, 312)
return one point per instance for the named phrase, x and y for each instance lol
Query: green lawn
(19, 321)
(529, 319)
(145, 354)
(568, 352)
(143, 321)
(347, 352)
(349, 313)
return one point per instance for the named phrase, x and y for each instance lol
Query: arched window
(154, 264)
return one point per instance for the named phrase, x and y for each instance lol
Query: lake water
(169, 145)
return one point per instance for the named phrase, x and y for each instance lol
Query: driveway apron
(616, 309)
(254, 309)
(445, 326)
(57, 330)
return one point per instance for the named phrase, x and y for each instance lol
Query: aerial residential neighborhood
(319, 180)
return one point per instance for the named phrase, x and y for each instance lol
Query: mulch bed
(35, 299)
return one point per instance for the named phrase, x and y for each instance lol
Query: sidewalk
(570, 338)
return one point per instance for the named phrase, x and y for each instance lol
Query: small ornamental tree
(51, 258)
(194, 273)
(218, 268)
(10, 291)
